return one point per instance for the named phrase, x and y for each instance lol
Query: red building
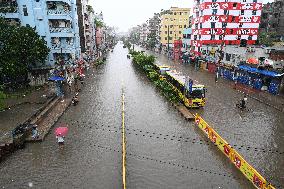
(230, 22)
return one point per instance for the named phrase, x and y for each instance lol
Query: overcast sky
(125, 14)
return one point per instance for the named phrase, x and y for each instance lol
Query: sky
(125, 14)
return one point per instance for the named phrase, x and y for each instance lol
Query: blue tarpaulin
(263, 72)
(56, 78)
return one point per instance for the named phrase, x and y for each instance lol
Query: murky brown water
(164, 150)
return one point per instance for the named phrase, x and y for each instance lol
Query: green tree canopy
(151, 40)
(267, 39)
(21, 48)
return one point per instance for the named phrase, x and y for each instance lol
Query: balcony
(58, 10)
(61, 32)
(59, 1)
(8, 7)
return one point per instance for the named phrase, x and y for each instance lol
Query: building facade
(186, 40)
(272, 18)
(173, 22)
(222, 22)
(54, 20)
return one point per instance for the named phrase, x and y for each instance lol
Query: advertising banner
(248, 171)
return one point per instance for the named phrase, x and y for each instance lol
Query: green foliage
(151, 40)
(21, 48)
(2, 97)
(267, 39)
(100, 62)
(146, 62)
(90, 9)
(99, 23)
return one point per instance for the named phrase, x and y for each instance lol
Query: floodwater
(163, 150)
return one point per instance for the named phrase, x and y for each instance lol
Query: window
(171, 26)
(242, 12)
(235, 4)
(255, 1)
(213, 24)
(166, 26)
(200, 25)
(184, 26)
(25, 10)
(180, 13)
(254, 12)
(166, 38)
(166, 32)
(212, 37)
(175, 13)
(180, 26)
(171, 32)
(179, 32)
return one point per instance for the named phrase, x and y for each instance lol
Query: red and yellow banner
(248, 171)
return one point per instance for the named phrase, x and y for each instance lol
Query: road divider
(247, 170)
(123, 141)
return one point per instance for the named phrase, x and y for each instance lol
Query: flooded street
(163, 150)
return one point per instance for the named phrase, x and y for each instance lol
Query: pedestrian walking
(35, 133)
(216, 76)
(60, 140)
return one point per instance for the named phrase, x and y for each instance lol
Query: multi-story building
(89, 29)
(173, 22)
(221, 22)
(272, 18)
(54, 20)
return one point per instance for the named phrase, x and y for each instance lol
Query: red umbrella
(252, 61)
(61, 131)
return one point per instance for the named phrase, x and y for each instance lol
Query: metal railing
(60, 29)
(58, 12)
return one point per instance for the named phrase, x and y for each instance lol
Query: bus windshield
(197, 93)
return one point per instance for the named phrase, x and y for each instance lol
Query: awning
(263, 72)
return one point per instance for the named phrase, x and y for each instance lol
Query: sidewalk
(20, 108)
(275, 101)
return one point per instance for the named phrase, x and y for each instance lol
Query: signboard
(248, 171)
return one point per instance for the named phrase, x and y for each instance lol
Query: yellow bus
(191, 93)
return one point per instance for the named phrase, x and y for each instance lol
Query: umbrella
(56, 78)
(252, 61)
(61, 131)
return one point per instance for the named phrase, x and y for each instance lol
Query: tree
(99, 23)
(21, 49)
(151, 40)
(267, 39)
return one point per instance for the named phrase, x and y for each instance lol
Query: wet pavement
(163, 150)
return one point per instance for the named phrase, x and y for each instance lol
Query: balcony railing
(58, 12)
(63, 46)
(8, 7)
(64, 30)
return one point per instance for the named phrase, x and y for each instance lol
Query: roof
(181, 78)
(263, 72)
